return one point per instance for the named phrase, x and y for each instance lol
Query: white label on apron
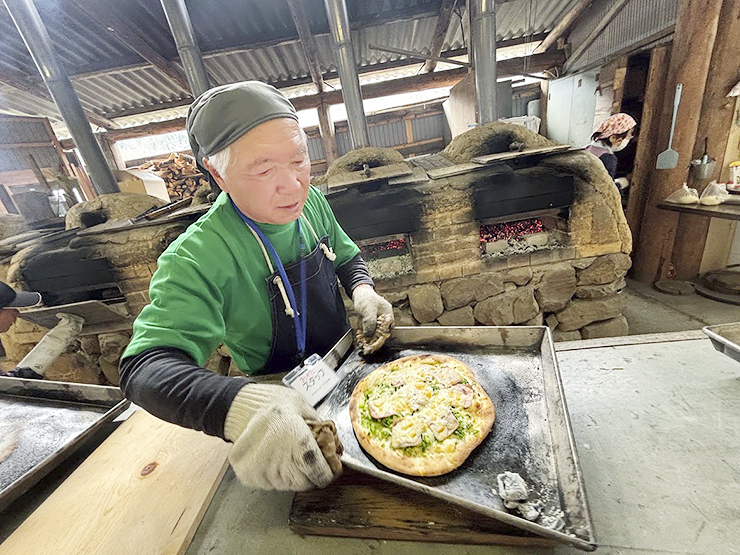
(314, 379)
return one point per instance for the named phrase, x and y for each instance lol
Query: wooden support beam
(513, 66)
(564, 25)
(308, 42)
(37, 90)
(106, 16)
(328, 133)
(696, 29)
(440, 31)
(647, 147)
(715, 123)
(600, 26)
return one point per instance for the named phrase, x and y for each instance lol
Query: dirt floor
(650, 311)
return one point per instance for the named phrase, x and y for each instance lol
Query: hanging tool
(669, 158)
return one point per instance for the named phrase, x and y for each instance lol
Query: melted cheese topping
(427, 403)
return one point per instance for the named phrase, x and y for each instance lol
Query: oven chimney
(483, 41)
(336, 12)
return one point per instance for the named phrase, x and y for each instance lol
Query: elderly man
(258, 272)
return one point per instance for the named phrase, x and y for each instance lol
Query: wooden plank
(143, 491)
(374, 174)
(360, 506)
(715, 121)
(450, 171)
(693, 42)
(95, 313)
(501, 156)
(725, 211)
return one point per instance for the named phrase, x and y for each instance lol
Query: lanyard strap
(299, 317)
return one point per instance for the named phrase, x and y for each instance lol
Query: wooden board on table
(361, 506)
(502, 156)
(143, 491)
(372, 175)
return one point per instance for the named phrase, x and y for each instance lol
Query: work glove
(377, 318)
(274, 446)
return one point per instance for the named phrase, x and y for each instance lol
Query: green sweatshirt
(210, 288)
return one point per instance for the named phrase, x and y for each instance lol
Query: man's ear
(220, 181)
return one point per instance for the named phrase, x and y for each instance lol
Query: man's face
(269, 172)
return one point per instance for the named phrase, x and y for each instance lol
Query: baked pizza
(421, 415)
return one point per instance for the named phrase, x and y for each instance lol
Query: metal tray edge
(344, 346)
(36, 474)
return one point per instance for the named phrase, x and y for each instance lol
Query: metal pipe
(336, 12)
(483, 38)
(34, 35)
(178, 19)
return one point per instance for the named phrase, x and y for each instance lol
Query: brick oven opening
(388, 257)
(499, 239)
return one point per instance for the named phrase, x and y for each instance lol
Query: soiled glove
(274, 447)
(369, 305)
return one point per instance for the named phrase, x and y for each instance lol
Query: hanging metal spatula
(669, 158)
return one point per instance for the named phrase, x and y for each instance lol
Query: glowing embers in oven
(387, 257)
(518, 237)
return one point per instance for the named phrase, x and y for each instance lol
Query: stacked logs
(180, 174)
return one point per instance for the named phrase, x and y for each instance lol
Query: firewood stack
(180, 174)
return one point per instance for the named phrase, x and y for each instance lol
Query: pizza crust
(438, 457)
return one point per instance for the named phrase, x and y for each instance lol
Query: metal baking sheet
(531, 434)
(42, 423)
(725, 338)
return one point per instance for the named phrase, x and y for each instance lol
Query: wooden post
(326, 129)
(715, 123)
(647, 149)
(544, 98)
(620, 73)
(693, 41)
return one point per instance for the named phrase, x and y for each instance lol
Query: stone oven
(112, 262)
(466, 238)
(450, 239)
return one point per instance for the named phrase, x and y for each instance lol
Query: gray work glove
(274, 448)
(370, 306)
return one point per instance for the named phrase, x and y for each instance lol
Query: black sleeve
(354, 273)
(610, 163)
(167, 383)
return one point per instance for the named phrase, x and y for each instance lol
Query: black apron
(326, 320)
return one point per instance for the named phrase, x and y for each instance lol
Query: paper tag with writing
(314, 379)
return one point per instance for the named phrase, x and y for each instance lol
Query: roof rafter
(440, 32)
(38, 90)
(105, 16)
(564, 25)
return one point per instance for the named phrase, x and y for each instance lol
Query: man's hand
(274, 447)
(369, 305)
(7, 318)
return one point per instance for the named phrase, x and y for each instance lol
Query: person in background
(612, 135)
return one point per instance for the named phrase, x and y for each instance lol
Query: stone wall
(577, 297)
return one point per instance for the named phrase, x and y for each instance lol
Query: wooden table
(725, 211)
(655, 420)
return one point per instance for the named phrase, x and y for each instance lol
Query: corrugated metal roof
(113, 81)
(638, 21)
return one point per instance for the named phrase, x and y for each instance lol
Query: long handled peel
(669, 158)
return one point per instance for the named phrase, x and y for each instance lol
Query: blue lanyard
(299, 318)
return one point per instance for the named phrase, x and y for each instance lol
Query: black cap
(10, 298)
